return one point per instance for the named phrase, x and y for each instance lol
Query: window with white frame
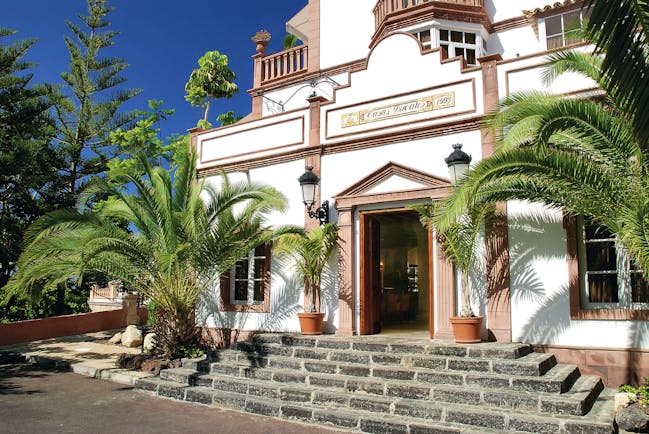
(247, 284)
(424, 37)
(609, 278)
(566, 28)
(453, 43)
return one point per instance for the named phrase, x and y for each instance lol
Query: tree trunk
(59, 306)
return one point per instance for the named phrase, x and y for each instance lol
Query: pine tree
(87, 106)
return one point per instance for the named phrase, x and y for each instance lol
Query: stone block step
(402, 366)
(373, 415)
(577, 401)
(559, 379)
(274, 342)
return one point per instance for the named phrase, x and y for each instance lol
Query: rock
(149, 342)
(154, 366)
(633, 418)
(132, 337)
(116, 339)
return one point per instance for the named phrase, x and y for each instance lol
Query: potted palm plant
(460, 238)
(310, 253)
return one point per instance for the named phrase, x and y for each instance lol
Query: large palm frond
(620, 29)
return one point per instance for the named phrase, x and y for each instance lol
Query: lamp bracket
(321, 213)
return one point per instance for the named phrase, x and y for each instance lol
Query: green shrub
(641, 392)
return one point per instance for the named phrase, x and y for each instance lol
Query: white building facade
(373, 100)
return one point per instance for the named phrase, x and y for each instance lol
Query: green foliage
(228, 118)
(460, 238)
(87, 105)
(582, 156)
(29, 182)
(620, 28)
(310, 253)
(211, 80)
(290, 41)
(152, 314)
(641, 392)
(184, 234)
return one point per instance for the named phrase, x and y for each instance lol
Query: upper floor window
(565, 29)
(453, 43)
(247, 284)
(609, 277)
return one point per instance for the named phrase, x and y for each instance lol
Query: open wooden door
(370, 297)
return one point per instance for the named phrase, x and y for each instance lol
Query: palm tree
(582, 156)
(620, 29)
(184, 233)
(289, 41)
(311, 252)
(460, 241)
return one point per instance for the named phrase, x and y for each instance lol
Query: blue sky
(161, 40)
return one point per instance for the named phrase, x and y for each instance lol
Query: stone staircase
(386, 385)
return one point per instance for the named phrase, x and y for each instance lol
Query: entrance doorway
(395, 275)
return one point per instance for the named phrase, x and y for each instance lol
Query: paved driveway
(35, 400)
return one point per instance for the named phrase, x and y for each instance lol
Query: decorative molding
(469, 110)
(243, 154)
(460, 126)
(508, 24)
(428, 12)
(393, 169)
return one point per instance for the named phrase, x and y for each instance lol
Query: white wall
(346, 29)
(539, 287)
(286, 293)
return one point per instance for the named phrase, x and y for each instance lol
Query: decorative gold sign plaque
(426, 104)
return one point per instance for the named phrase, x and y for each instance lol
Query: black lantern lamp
(309, 182)
(458, 163)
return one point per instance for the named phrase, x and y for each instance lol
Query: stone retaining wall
(67, 325)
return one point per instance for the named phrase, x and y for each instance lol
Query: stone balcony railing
(281, 65)
(384, 8)
(110, 292)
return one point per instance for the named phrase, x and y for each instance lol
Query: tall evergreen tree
(26, 157)
(87, 106)
(28, 178)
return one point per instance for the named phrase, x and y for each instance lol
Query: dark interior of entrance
(404, 272)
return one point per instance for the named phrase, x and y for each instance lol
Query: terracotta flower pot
(467, 329)
(311, 322)
(261, 47)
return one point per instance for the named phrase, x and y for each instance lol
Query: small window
(247, 285)
(609, 277)
(424, 38)
(565, 29)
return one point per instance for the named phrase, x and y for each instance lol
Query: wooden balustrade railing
(284, 64)
(386, 7)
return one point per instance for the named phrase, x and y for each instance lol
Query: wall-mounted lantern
(309, 183)
(458, 163)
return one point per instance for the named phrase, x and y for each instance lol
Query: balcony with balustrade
(285, 64)
(392, 15)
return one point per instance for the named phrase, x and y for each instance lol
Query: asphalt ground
(34, 399)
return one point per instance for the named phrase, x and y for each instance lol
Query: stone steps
(533, 364)
(367, 414)
(575, 402)
(378, 385)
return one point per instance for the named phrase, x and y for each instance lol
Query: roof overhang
(299, 24)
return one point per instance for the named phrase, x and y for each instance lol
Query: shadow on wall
(227, 325)
(539, 237)
(286, 289)
(329, 294)
(284, 306)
